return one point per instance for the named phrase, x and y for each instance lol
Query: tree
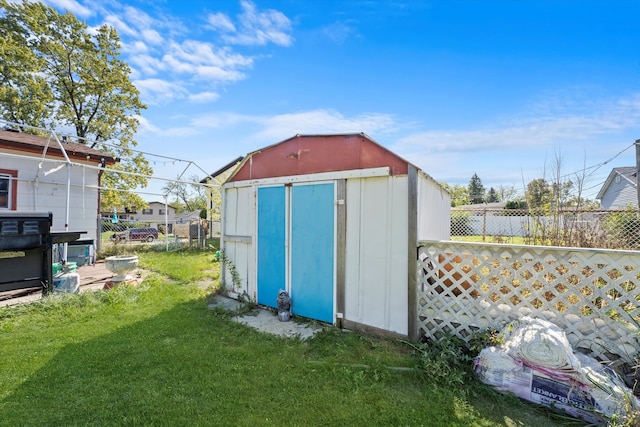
(459, 195)
(492, 197)
(25, 96)
(56, 72)
(476, 190)
(506, 194)
(189, 197)
(539, 194)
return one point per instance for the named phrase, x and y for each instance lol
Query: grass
(514, 240)
(156, 355)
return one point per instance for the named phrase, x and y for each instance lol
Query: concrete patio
(92, 278)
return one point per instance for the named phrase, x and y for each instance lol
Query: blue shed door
(312, 251)
(309, 252)
(271, 244)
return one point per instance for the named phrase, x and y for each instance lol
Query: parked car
(148, 234)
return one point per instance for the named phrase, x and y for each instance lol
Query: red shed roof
(35, 144)
(309, 154)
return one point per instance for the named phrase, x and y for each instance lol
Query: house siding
(49, 192)
(155, 216)
(619, 195)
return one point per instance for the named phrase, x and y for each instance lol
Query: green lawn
(156, 355)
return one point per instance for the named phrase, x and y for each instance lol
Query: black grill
(25, 250)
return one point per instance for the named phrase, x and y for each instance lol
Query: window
(160, 211)
(147, 211)
(8, 189)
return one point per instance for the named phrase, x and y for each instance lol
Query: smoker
(26, 250)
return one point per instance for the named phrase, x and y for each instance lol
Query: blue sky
(498, 88)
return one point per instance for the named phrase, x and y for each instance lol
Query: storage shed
(335, 221)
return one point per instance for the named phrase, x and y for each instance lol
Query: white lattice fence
(592, 294)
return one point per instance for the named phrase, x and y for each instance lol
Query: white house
(335, 221)
(186, 217)
(619, 190)
(154, 212)
(36, 176)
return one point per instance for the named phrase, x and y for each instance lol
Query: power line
(597, 166)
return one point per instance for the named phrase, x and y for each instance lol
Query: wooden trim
(341, 248)
(370, 330)
(412, 242)
(14, 187)
(237, 239)
(323, 176)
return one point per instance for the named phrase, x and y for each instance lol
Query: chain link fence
(176, 233)
(618, 229)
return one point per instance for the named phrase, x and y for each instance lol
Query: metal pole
(67, 208)
(638, 171)
(166, 222)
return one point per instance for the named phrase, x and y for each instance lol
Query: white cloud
(204, 97)
(204, 61)
(280, 126)
(339, 32)
(70, 5)
(140, 18)
(136, 24)
(146, 126)
(550, 125)
(161, 48)
(121, 26)
(135, 48)
(146, 64)
(220, 22)
(323, 121)
(221, 120)
(157, 91)
(152, 36)
(260, 27)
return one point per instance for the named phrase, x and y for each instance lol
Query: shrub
(623, 228)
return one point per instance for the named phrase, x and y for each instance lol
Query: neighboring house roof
(187, 215)
(492, 205)
(311, 154)
(223, 169)
(162, 203)
(35, 144)
(627, 173)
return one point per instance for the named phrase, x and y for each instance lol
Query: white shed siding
(375, 286)
(376, 253)
(434, 210)
(240, 209)
(239, 229)
(50, 193)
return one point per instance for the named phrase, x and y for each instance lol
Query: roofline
(298, 135)
(223, 169)
(73, 150)
(614, 172)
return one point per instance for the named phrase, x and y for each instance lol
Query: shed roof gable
(310, 154)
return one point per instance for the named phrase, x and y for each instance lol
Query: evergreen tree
(476, 190)
(492, 197)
